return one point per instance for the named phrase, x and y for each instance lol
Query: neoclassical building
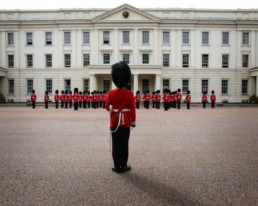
(192, 49)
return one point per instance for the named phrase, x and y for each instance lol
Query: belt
(122, 110)
(119, 117)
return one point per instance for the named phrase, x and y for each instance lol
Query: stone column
(135, 83)
(93, 83)
(157, 82)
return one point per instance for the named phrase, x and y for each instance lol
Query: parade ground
(197, 157)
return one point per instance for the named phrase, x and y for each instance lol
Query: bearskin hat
(138, 92)
(204, 92)
(57, 91)
(178, 90)
(62, 92)
(70, 92)
(188, 91)
(121, 74)
(66, 92)
(212, 92)
(46, 92)
(33, 91)
(75, 90)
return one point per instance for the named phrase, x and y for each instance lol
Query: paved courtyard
(197, 157)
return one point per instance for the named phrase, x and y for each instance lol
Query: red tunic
(75, 97)
(147, 97)
(179, 96)
(157, 97)
(204, 98)
(120, 99)
(46, 98)
(138, 98)
(66, 99)
(213, 97)
(33, 97)
(56, 98)
(166, 98)
(188, 98)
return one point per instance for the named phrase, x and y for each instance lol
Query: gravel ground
(197, 157)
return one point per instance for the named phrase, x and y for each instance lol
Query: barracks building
(192, 49)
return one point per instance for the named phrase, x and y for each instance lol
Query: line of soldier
(97, 99)
(170, 99)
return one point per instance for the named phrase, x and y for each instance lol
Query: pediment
(126, 13)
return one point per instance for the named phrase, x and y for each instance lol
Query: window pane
(67, 37)
(48, 60)
(106, 37)
(165, 84)
(224, 87)
(245, 60)
(10, 38)
(225, 37)
(11, 86)
(145, 85)
(185, 60)
(145, 58)
(166, 39)
(165, 60)
(29, 85)
(49, 85)
(205, 86)
(245, 40)
(205, 60)
(126, 58)
(86, 37)
(244, 87)
(205, 37)
(106, 58)
(67, 83)
(29, 38)
(86, 85)
(185, 37)
(48, 38)
(86, 59)
(10, 61)
(67, 58)
(225, 60)
(29, 60)
(126, 37)
(185, 86)
(145, 37)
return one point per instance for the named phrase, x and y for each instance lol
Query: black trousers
(46, 105)
(120, 146)
(66, 105)
(203, 104)
(70, 104)
(75, 105)
(137, 105)
(188, 105)
(62, 104)
(57, 104)
(88, 104)
(147, 105)
(84, 105)
(212, 104)
(80, 104)
(157, 105)
(33, 104)
(166, 106)
(178, 104)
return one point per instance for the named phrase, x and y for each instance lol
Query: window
(49, 85)
(145, 58)
(145, 37)
(10, 39)
(86, 59)
(225, 58)
(86, 37)
(165, 84)
(29, 85)
(126, 37)
(126, 58)
(245, 60)
(185, 62)
(67, 37)
(106, 58)
(106, 37)
(48, 38)
(10, 61)
(225, 38)
(165, 60)
(67, 60)
(106, 85)
(205, 38)
(245, 38)
(166, 39)
(48, 60)
(244, 87)
(185, 38)
(224, 87)
(86, 84)
(29, 60)
(67, 84)
(10, 86)
(145, 85)
(29, 38)
(185, 86)
(205, 85)
(205, 60)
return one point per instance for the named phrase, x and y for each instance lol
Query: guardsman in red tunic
(213, 99)
(179, 98)
(57, 99)
(138, 99)
(188, 99)
(166, 100)
(153, 99)
(204, 99)
(66, 99)
(84, 99)
(88, 99)
(174, 99)
(157, 97)
(121, 105)
(33, 99)
(75, 98)
(80, 99)
(46, 99)
(70, 99)
(146, 99)
(104, 99)
(62, 97)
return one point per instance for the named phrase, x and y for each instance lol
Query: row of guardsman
(97, 99)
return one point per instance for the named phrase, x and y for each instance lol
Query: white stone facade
(23, 35)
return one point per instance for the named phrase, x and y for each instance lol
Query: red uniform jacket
(188, 98)
(80, 97)
(157, 97)
(166, 98)
(146, 97)
(213, 97)
(179, 96)
(62, 97)
(138, 98)
(33, 97)
(56, 98)
(104, 98)
(66, 98)
(204, 98)
(75, 97)
(153, 98)
(120, 99)
(46, 98)
(70, 97)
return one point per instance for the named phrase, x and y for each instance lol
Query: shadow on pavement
(159, 191)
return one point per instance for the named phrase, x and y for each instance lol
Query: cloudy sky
(57, 4)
